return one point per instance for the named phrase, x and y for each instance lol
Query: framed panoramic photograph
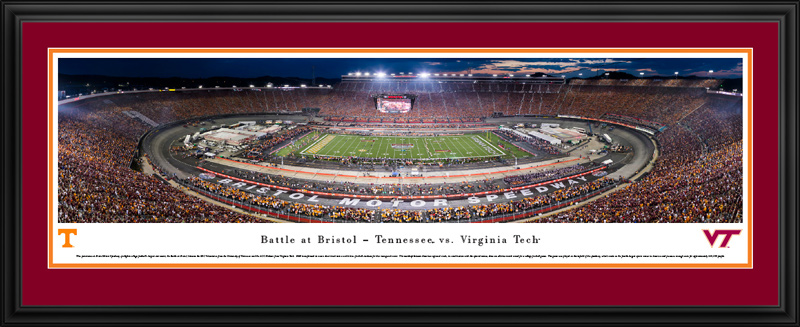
(400, 163)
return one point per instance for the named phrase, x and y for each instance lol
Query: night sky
(334, 68)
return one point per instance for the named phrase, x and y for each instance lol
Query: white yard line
(312, 145)
(491, 145)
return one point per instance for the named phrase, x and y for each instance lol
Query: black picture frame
(17, 12)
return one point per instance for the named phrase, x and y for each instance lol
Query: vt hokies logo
(712, 238)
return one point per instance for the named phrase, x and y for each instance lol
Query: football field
(416, 147)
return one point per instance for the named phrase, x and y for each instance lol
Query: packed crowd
(354, 214)
(544, 175)
(654, 126)
(647, 103)
(670, 99)
(261, 149)
(372, 188)
(718, 122)
(535, 143)
(687, 184)
(398, 215)
(95, 183)
(561, 195)
(696, 179)
(447, 214)
(449, 103)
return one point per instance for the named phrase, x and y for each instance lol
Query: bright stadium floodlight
(510, 75)
(641, 74)
(608, 74)
(462, 74)
(358, 74)
(391, 74)
(494, 75)
(366, 74)
(444, 74)
(580, 74)
(302, 85)
(200, 87)
(435, 74)
(424, 75)
(710, 71)
(470, 75)
(251, 85)
(286, 85)
(349, 74)
(527, 75)
(269, 85)
(380, 74)
(320, 85)
(234, 86)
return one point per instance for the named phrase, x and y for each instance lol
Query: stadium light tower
(641, 74)
(676, 75)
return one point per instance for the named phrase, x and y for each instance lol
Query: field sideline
(416, 147)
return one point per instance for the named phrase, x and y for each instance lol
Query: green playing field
(417, 147)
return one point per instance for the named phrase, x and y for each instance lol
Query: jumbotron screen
(394, 104)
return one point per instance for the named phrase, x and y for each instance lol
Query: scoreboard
(394, 103)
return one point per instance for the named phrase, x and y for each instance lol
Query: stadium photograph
(400, 140)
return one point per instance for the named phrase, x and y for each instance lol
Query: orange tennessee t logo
(66, 233)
